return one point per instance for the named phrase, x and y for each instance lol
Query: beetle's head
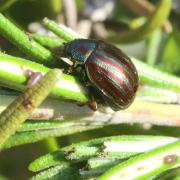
(79, 49)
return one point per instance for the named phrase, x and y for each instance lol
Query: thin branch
(139, 112)
(145, 8)
(6, 4)
(153, 44)
(154, 21)
(19, 110)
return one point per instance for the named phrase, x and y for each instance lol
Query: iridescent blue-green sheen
(79, 49)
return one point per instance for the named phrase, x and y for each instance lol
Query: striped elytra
(108, 69)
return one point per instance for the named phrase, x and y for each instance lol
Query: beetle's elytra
(108, 69)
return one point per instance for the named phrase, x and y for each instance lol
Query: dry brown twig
(141, 111)
(70, 13)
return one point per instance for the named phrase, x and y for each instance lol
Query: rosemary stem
(19, 110)
(26, 44)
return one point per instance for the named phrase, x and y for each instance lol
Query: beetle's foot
(69, 70)
(93, 104)
(33, 77)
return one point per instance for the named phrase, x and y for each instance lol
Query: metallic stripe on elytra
(121, 90)
(118, 62)
(115, 71)
(117, 85)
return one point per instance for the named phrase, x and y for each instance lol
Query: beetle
(107, 68)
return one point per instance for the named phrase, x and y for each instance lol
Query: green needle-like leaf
(147, 165)
(118, 147)
(12, 74)
(26, 44)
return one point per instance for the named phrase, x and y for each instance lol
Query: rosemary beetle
(108, 70)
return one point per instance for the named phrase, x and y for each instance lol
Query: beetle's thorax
(80, 50)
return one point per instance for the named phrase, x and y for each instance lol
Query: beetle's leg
(93, 94)
(68, 70)
(93, 104)
(33, 77)
(71, 69)
(81, 73)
